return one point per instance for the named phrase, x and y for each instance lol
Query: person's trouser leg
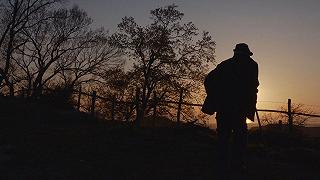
(224, 133)
(240, 132)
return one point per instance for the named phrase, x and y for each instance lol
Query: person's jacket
(232, 86)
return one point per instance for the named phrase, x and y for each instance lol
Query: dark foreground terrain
(37, 143)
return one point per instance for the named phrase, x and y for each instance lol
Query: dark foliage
(60, 98)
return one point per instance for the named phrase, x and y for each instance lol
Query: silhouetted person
(232, 92)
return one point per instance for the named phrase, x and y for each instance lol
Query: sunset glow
(248, 121)
(283, 37)
(160, 89)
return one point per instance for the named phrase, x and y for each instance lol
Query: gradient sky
(283, 34)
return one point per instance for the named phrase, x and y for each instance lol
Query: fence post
(290, 119)
(113, 108)
(259, 123)
(154, 109)
(79, 99)
(93, 102)
(23, 93)
(179, 106)
(127, 113)
(138, 118)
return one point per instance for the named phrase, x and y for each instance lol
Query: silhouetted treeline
(47, 45)
(44, 44)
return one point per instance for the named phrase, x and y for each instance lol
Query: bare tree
(297, 110)
(89, 63)
(48, 42)
(16, 16)
(166, 54)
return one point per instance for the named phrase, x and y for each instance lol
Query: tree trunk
(10, 86)
(37, 85)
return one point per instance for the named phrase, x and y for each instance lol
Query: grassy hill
(38, 141)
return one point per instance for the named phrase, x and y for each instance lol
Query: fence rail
(181, 103)
(94, 96)
(154, 103)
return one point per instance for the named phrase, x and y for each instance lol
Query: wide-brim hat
(242, 47)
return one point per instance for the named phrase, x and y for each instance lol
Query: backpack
(211, 85)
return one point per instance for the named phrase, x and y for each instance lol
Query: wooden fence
(179, 104)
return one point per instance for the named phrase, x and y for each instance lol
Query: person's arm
(256, 75)
(254, 91)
